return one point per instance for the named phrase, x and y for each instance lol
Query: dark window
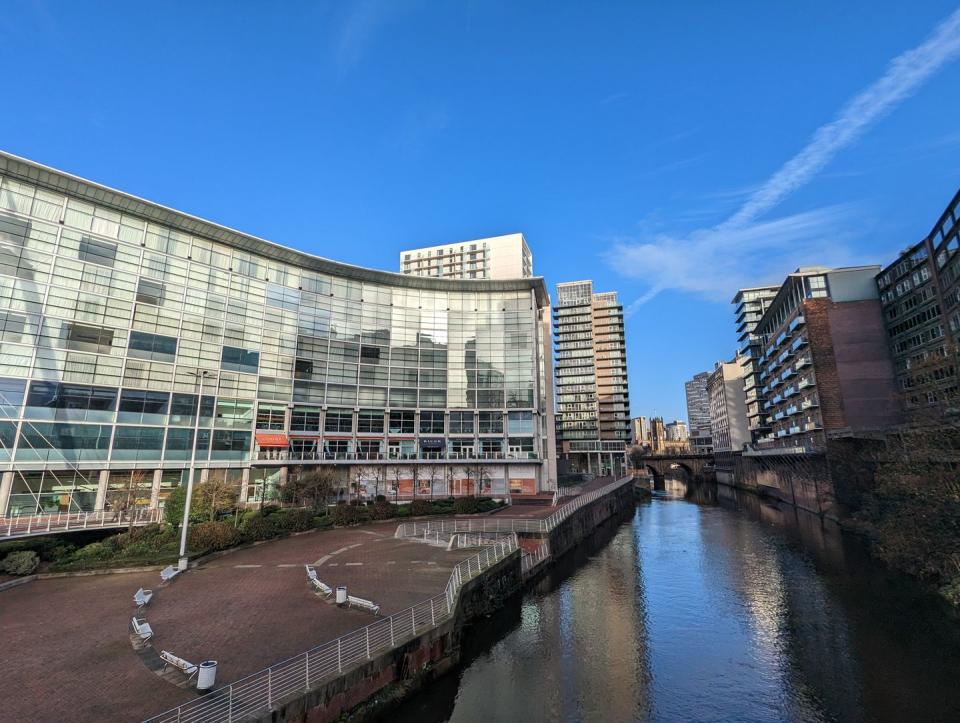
(8, 435)
(491, 422)
(64, 441)
(270, 416)
(338, 420)
(152, 346)
(80, 337)
(12, 326)
(53, 395)
(149, 292)
(461, 422)
(303, 368)
(240, 360)
(97, 252)
(401, 423)
(305, 419)
(370, 421)
(137, 442)
(137, 406)
(228, 444)
(369, 354)
(431, 422)
(183, 408)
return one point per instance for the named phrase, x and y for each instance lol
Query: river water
(709, 610)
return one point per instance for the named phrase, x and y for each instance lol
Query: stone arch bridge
(698, 467)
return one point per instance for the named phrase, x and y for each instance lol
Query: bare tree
(312, 488)
(216, 495)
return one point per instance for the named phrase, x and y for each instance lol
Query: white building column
(155, 489)
(102, 489)
(6, 487)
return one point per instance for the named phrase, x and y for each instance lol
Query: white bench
(311, 572)
(168, 573)
(142, 628)
(188, 668)
(359, 602)
(322, 587)
(141, 597)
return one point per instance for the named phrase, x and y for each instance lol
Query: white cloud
(715, 261)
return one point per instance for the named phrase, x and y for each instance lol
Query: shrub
(260, 527)
(47, 548)
(93, 551)
(139, 540)
(384, 510)
(466, 505)
(381, 498)
(420, 507)
(299, 520)
(348, 515)
(212, 536)
(21, 563)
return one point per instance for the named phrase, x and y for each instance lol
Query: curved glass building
(133, 336)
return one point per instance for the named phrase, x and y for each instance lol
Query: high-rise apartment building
(728, 413)
(125, 326)
(677, 431)
(593, 401)
(640, 428)
(920, 295)
(498, 257)
(750, 306)
(698, 413)
(825, 367)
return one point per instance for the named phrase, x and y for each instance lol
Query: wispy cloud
(712, 260)
(359, 28)
(614, 97)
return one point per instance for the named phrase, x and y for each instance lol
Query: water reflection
(709, 605)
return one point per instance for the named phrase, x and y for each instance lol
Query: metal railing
(531, 559)
(27, 526)
(258, 693)
(507, 524)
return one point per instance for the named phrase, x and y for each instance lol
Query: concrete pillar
(155, 488)
(102, 489)
(244, 485)
(6, 487)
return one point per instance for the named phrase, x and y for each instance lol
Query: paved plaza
(65, 646)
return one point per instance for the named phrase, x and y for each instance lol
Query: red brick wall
(817, 315)
(863, 364)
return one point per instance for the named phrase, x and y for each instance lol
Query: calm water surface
(709, 611)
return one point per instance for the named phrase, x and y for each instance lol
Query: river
(707, 609)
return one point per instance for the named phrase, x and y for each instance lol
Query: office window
(270, 416)
(149, 292)
(74, 402)
(234, 413)
(138, 443)
(461, 423)
(142, 406)
(520, 423)
(97, 252)
(305, 419)
(11, 396)
(12, 326)
(401, 423)
(230, 445)
(370, 421)
(431, 422)
(80, 337)
(240, 360)
(491, 422)
(58, 442)
(183, 409)
(339, 420)
(152, 346)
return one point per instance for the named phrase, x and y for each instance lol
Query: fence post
(413, 619)
(368, 641)
(339, 660)
(433, 618)
(269, 687)
(306, 687)
(392, 643)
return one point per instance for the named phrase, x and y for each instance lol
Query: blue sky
(620, 138)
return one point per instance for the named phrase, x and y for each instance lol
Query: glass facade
(108, 319)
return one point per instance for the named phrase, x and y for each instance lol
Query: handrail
(31, 525)
(259, 692)
(507, 524)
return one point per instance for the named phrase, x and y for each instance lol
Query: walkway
(66, 653)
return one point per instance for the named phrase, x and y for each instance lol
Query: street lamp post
(193, 470)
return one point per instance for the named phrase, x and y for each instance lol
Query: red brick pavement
(64, 646)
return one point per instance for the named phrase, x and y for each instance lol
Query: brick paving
(66, 654)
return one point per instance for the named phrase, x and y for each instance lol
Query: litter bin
(341, 595)
(207, 675)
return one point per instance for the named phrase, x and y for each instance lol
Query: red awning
(272, 440)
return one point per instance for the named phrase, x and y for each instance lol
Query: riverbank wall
(367, 689)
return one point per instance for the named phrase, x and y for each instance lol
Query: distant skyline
(654, 149)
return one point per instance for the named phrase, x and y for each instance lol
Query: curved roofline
(52, 179)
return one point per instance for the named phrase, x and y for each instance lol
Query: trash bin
(341, 595)
(207, 675)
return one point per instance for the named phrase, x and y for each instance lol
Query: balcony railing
(799, 321)
(809, 404)
(805, 383)
(798, 343)
(286, 455)
(789, 391)
(803, 362)
(792, 409)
